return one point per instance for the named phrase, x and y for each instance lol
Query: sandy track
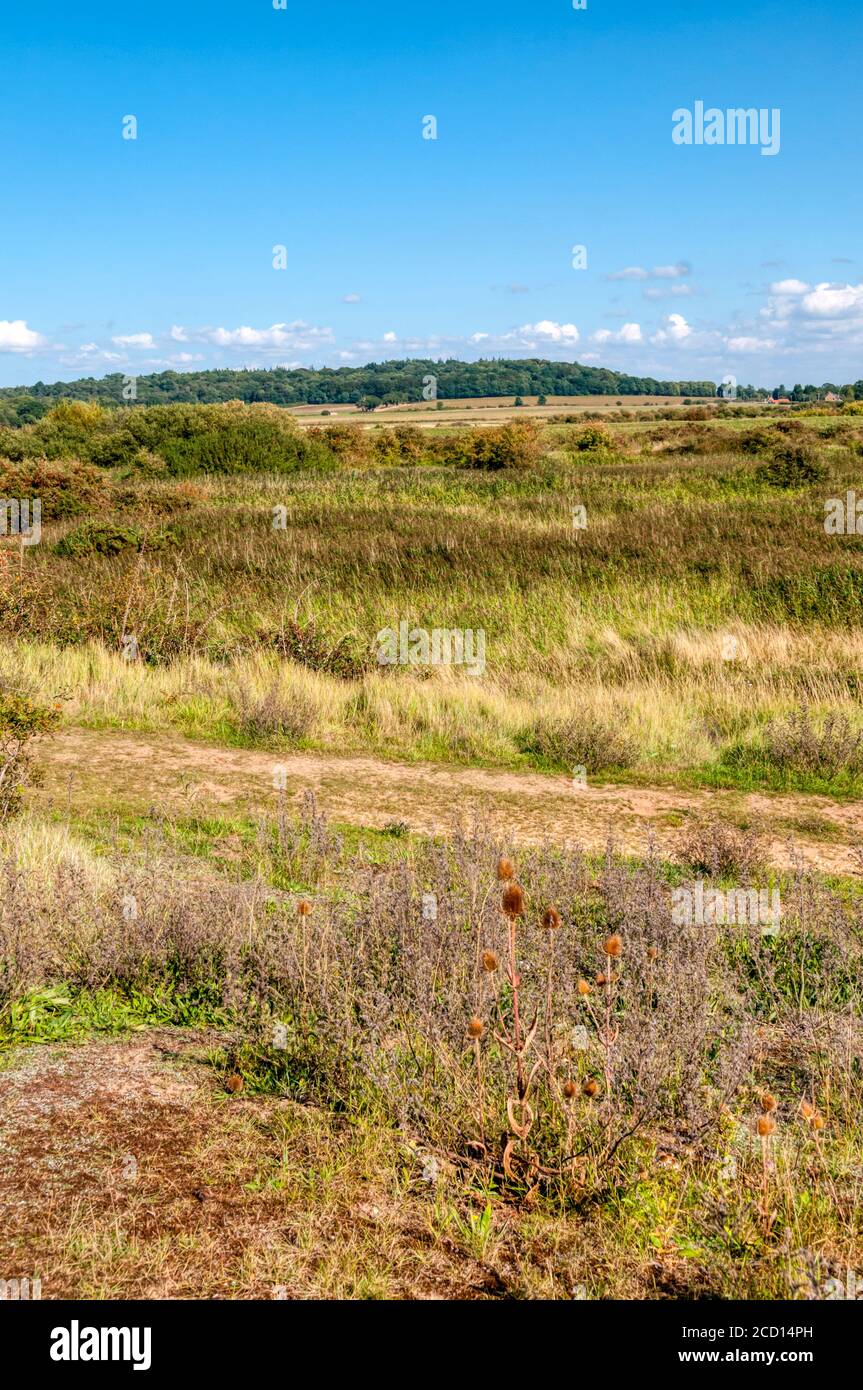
(138, 772)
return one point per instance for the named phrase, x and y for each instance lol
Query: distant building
(833, 398)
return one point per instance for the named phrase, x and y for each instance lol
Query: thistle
(513, 901)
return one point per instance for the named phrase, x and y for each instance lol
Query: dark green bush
(110, 538)
(792, 464)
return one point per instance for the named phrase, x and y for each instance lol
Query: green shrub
(116, 450)
(517, 444)
(405, 444)
(305, 646)
(63, 488)
(110, 538)
(350, 444)
(590, 440)
(21, 723)
(792, 464)
(755, 442)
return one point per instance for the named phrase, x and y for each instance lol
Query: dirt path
(136, 772)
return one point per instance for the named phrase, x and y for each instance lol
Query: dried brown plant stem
(479, 1088)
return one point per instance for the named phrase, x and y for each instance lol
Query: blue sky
(303, 127)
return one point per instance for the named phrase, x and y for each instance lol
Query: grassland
(403, 1063)
(700, 602)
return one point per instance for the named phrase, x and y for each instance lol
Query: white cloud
(548, 329)
(391, 338)
(677, 330)
(298, 335)
(178, 334)
(138, 340)
(745, 344)
(834, 301)
(789, 287)
(528, 337)
(15, 336)
(629, 333)
(352, 299)
(90, 355)
(659, 272)
(672, 272)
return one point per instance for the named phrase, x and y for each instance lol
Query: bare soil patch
(136, 772)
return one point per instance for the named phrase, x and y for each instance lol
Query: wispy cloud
(678, 271)
(134, 340)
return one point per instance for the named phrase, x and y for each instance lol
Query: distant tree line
(382, 383)
(378, 383)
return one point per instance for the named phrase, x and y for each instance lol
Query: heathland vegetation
(659, 597)
(520, 1046)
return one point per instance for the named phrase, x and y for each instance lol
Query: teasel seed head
(613, 946)
(505, 871)
(599, 978)
(235, 1083)
(489, 961)
(768, 1102)
(591, 1088)
(570, 1089)
(766, 1126)
(583, 987)
(652, 953)
(551, 918)
(304, 908)
(513, 901)
(818, 1121)
(475, 1027)
(807, 1110)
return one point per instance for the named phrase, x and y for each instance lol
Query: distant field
(492, 410)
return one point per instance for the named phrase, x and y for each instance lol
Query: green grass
(59, 1014)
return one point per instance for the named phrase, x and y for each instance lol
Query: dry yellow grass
(677, 696)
